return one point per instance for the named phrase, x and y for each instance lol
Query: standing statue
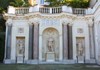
(80, 49)
(50, 44)
(20, 46)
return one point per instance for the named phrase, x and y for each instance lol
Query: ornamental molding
(39, 15)
(15, 17)
(35, 18)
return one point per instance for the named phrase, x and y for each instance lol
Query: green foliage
(2, 24)
(72, 3)
(1, 10)
(53, 2)
(20, 3)
(2, 45)
(4, 4)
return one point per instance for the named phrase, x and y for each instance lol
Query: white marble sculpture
(50, 44)
(80, 49)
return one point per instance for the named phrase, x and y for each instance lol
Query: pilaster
(65, 41)
(30, 41)
(91, 39)
(36, 40)
(70, 42)
(8, 40)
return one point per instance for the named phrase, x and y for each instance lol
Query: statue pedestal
(50, 56)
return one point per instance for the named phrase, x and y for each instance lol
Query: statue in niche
(20, 47)
(80, 49)
(50, 44)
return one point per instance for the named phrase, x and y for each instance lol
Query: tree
(4, 4)
(20, 3)
(54, 2)
(72, 3)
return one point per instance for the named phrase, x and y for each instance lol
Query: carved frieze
(50, 22)
(49, 19)
(20, 30)
(79, 30)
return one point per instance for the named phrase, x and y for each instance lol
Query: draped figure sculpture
(80, 49)
(50, 44)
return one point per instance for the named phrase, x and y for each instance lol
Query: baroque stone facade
(64, 38)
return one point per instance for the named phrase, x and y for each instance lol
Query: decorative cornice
(34, 17)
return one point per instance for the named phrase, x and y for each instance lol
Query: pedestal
(50, 56)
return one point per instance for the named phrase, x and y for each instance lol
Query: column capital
(64, 23)
(30, 23)
(9, 22)
(70, 24)
(67, 22)
(35, 23)
(90, 24)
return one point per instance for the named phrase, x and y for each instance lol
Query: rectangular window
(42, 1)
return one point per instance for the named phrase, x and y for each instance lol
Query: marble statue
(80, 49)
(20, 46)
(50, 44)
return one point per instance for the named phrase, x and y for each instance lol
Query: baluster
(17, 11)
(24, 11)
(20, 11)
(45, 10)
(48, 10)
(42, 10)
(54, 10)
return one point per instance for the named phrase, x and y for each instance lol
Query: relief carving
(20, 46)
(79, 30)
(20, 30)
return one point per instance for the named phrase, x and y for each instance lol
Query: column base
(31, 61)
(9, 61)
(69, 62)
(92, 61)
(98, 62)
(50, 57)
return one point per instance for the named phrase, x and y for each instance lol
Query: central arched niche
(52, 35)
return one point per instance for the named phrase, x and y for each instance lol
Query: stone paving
(48, 67)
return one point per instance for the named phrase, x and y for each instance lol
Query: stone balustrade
(44, 10)
(79, 11)
(50, 10)
(22, 10)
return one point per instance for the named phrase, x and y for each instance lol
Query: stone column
(65, 42)
(36, 41)
(70, 42)
(91, 37)
(40, 47)
(8, 41)
(30, 41)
